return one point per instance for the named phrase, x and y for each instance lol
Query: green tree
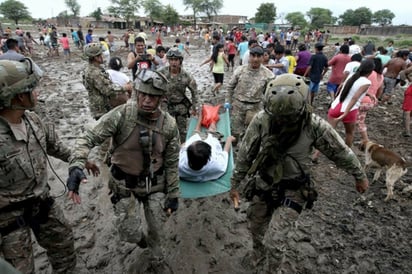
(195, 6)
(296, 19)
(319, 17)
(383, 17)
(356, 17)
(73, 6)
(266, 13)
(211, 7)
(125, 9)
(14, 10)
(170, 16)
(63, 16)
(153, 9)
(97, 14)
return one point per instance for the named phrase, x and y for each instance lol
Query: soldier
(25, 201)
(103, 94)
(275, 153)
(245, 91)
(178, 104)
(144, 160)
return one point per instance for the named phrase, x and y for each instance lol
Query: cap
(319, 46)
(256, 50)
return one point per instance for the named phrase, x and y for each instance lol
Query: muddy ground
(344, 233)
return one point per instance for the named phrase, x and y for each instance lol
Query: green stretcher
(210, 188)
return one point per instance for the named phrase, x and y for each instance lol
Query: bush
(404, 44)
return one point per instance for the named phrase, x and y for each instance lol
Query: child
(291, 59)
(64, 41)
(407, 101)
(182, 48)
(106, 50)
(218, 60)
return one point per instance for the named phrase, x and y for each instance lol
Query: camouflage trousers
(129, 220)
(55, 236)
(180, 113)
(182, 124)
(241, 116)
(271, 231)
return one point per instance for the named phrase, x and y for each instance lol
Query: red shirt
(65, 42)
(338, 63)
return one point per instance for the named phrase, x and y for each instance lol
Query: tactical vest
(130, 151)
(23, 166)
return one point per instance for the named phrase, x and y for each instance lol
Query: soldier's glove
(227, 106)
(171, 203)
(76, 175)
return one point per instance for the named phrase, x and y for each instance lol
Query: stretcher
(210, 188)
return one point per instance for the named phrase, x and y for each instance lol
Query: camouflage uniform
(127, 128)
(101, 90)
(25, 195)
(178, 104)
(245, 91)
(270, 222)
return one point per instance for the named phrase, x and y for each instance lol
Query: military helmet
(174, 53)
(286, 95)
(151, 82)
(93, 49)
(17, 77)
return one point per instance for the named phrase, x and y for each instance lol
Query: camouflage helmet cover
(17, 77)
(286, 95)
(93, 49)
(151, 82)
(174, 53)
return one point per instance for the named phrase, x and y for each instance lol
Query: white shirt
(118, 77)
(358, 83)
(354, 49)
(245, 58)
(213, 170)
(351, 68)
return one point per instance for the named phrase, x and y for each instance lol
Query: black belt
(133, 181)
(291, 204)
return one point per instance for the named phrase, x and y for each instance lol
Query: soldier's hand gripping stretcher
(234, 195)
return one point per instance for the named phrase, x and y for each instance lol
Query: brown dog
(384, 159)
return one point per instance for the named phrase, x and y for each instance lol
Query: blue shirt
(89, 38)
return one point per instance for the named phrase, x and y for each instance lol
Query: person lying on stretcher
(201, 157)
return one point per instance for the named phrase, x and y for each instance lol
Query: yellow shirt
(292, 63)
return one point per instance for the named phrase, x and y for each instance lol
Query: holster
(28, 219)
(276, 196)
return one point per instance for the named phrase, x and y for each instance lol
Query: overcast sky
(49, 8)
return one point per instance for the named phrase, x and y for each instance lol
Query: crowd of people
(145, 114)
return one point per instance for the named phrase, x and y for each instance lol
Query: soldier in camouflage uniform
(103, 94)
(275, 153)
(25, 202)
(245, 91)
(144, 161)
(178, 104)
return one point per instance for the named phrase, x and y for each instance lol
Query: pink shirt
(376, 82)
(65, 42)
(338, 63)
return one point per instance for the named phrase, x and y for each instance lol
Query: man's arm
(232, 85)
(171, 159)
(228, 143)
(331, 144)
